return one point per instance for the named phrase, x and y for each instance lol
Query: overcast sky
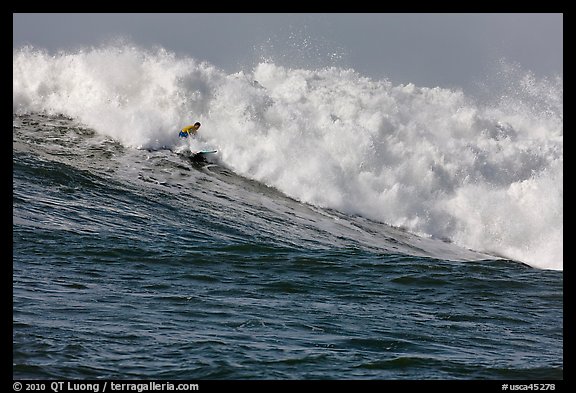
(447, 50)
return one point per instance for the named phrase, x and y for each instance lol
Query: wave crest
(486, 175)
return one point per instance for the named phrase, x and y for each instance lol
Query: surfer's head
(197, 125)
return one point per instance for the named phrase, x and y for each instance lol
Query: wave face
(118, 249)
(486, 175)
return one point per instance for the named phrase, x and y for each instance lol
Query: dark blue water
(136, 264)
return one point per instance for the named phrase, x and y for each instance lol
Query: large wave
(487, 175)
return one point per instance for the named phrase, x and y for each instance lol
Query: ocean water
(347, 228)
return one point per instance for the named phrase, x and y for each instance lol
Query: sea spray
(138, 97)
(485, 175)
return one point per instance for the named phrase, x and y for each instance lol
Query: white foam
(486, 176)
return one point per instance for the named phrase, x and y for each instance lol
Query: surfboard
(205, 152)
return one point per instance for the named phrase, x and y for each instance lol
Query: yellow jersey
(188, 130)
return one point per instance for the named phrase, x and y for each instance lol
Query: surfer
(189, 130)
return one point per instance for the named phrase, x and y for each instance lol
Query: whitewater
(483, 173)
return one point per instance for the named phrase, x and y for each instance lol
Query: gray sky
(447, 50)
